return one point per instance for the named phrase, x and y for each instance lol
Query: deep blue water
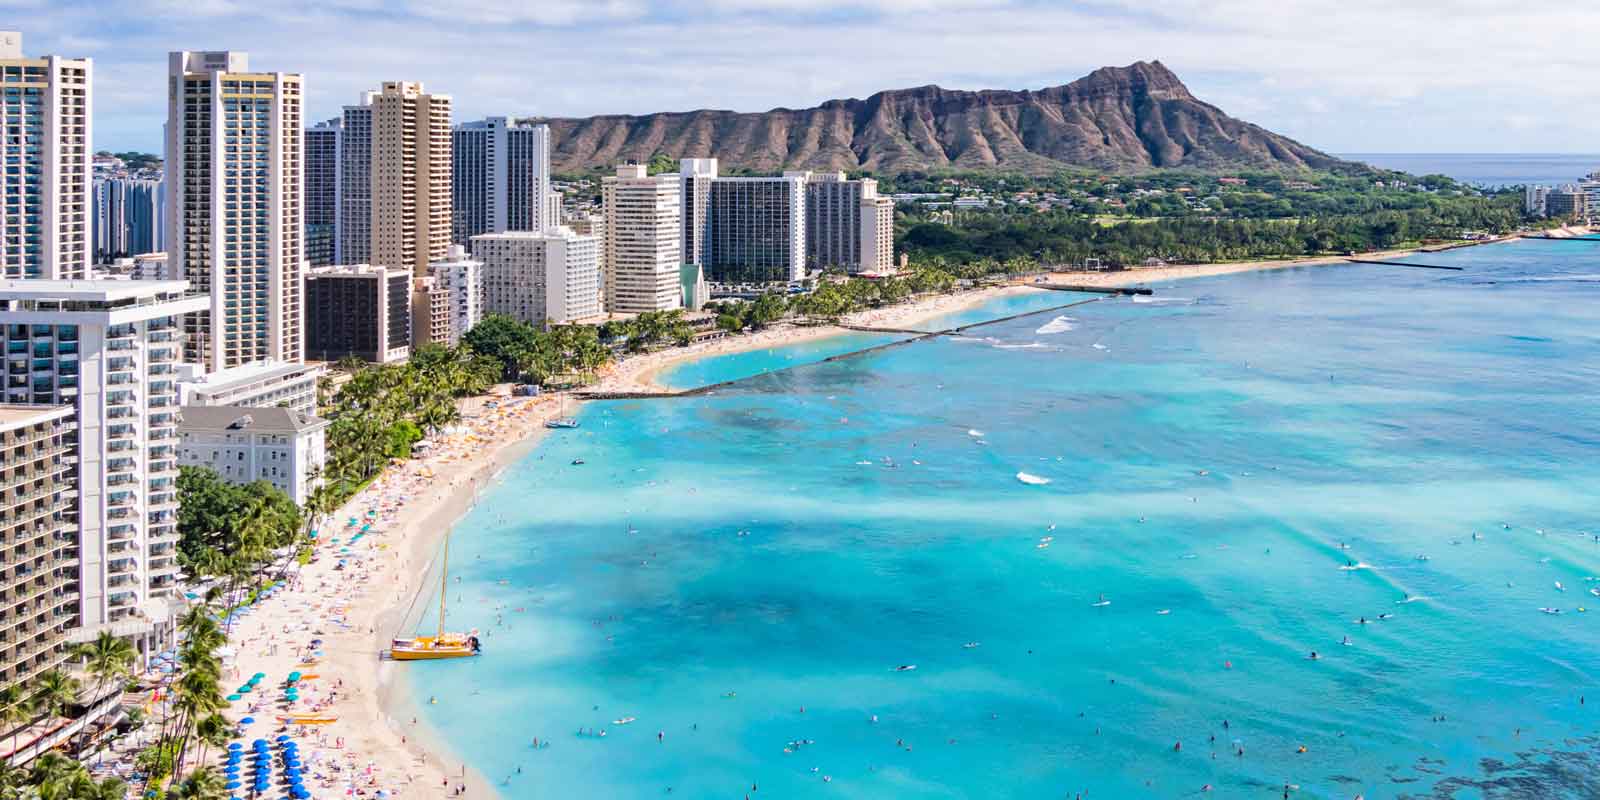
(1489, 169)
(745, 571)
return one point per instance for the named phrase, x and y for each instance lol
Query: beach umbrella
(247, 720)
(294, 676)
(258, 676)
(232, 785)
(235, 746)
(231, 770)
(283, 737)
(234, 698)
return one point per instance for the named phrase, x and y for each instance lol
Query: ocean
(1489, 169)
(1109, 539)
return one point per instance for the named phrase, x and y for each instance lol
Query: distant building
(261, 385)
(282, 447)
(848, 226)
(239, 242)
(361, 310)
(501, 178)
(430, 313)
(46, 118)
(643, 240)
(150, 267)
(1566, 203)
(460, 277)
(321, 149)
(695, 176)
(1533, 199)
(593, 225)
(411, 201)
(757, 230)
(38, 485)
(127, 217)
(540, 278)
(353, 233)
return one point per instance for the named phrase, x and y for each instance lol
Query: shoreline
(421, 500)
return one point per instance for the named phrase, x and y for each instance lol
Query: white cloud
(1359, 75)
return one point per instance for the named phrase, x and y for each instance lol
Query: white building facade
(282, 447)
(461, 279)
(111, 349)
(260, 385)
(643, 240)
(549, 278)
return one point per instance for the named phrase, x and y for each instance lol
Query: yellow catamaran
(444, 645)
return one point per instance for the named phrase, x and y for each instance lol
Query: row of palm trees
(108, 662)
(193, 723)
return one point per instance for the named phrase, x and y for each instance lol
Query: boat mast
(444, 585)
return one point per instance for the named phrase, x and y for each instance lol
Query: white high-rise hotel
(234, 206)
(45, 189)
(643, 241)
(111, 349)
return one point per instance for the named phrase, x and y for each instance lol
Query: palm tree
(16, 710)
(55, 692)
(107, 658)
(213, 731)
(202, 784)
(52, 776)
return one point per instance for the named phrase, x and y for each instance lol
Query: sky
(1345, 76)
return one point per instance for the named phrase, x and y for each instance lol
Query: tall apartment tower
(45, 191)
(110, 349)
(643, 241)
(353, 235)
(757, 230)
(128, 218)
(501, 178)
(547, 277)
(321, 149)
(37, 590)
(234, 206)
(696, 176)
(411, 177)
(848, 226)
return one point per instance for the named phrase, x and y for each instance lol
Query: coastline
(408, 758)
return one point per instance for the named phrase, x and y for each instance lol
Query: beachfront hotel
(283, 447)
(756, 230)
(234, 213)
(642, 241)
(38, 520)
(411, 202)
(361, 310)
(46, 111)
(501, 178)
(110, 349)
(550, 278)
(848, 225)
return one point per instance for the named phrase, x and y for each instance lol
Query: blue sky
(1350, 76)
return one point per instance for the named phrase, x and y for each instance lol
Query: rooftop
(248, 373)
(91, 290)
(261, 420)
(16, 415)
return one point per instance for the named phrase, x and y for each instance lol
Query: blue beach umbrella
(235, 746)
(282, 737)
(231, 785)
(247, 720)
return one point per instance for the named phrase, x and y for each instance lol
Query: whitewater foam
(1060, 324)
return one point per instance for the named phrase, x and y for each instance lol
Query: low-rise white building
(550, 277)
(284, 448)
(461, 278)
(257, 385)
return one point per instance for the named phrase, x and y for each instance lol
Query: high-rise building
(128, 218)
(111, 349)
(411, 166)
(234, 206)
(550, 277)
(353, 232)
(460, 277)
(430, 313)
(1533, 197)
(38, 595)
(643, 240)
(846, 224)
(361, 310)
(1567, 203)
(321, 149)
(501, 178)
(46, 207)
(757, 230)
(593, 225)
(695, 177)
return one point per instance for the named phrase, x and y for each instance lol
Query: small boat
(1101, 603)
(577, 462)
(1551, 611)
(308, 719)
(1595, 592)
(624, 720)
(564, 421)
(971, 645)
(905, 668)
(1559, 587)
(1163, 612)
(441, 645)
(1042, 545)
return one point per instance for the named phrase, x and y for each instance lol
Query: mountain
(1118, 119)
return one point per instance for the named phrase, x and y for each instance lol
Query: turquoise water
(746, 571)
